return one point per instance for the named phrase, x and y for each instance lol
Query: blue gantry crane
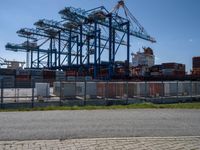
(88, 39)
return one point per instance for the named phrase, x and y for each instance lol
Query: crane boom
(137, 29)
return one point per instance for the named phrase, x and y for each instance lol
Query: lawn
(131, 106)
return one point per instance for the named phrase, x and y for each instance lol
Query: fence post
(191, 89)
(2, 86)
(106, 91)
(145, 91)
(85, 86)
(126, 92)
(177, 88)
(163, 88)
(60, 94)
(33, 94)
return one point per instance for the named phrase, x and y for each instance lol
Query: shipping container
(42, 89)
(49, 74)
(36, 72)
(60, 73)
(101, 89)
(168, 72)
(121, 89)
(71, 78)
(184, 88)
(132, 89)
(170, 65)
(57, 88)
(91, 89)
(37, 78)
(196, 62)
(88, 78)
(23, 84)
(23, 72)
(68, 89)
(156, 89)
(60, 78)
(23, 78)
(65, 89)
(80, 79)
(155, 73)
(196, 88)
(70, 73)
(170, 88)
(80, 88)
(4, 71)
(8, 81)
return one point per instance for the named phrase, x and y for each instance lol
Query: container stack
(70, 73)
(36, 75)
(71, 78)
(156, 70)
(196, 66)
(8, 81)
(8, 77)
(173, 69)
(49, 76)
(60, 76)
(23, 78)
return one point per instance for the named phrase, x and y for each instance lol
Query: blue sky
(174, 23)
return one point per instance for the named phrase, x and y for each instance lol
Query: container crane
(96, 32)
(136, 29)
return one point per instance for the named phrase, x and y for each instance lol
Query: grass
(114, 107)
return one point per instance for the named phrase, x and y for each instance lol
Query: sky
(174, 23)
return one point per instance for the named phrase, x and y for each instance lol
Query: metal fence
(35, 93)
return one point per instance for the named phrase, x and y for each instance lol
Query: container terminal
(84, 44)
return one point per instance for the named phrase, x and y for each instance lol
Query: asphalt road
(47, 125)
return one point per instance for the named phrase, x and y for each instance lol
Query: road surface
(50, 125)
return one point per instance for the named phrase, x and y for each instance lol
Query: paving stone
(172, 143)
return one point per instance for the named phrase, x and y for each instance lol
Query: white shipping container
(68, 89)
(57, 88)
(91, 89)
(184, 88)
(80, 88)
(42, 89)
(166, 89)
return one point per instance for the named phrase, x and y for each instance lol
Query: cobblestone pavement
(138, 143)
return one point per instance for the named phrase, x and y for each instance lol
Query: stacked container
(196, 65)
(36, 75)
(23, 78)
(60, 76)
(8, 81)
(49, 76)
(8, 77)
